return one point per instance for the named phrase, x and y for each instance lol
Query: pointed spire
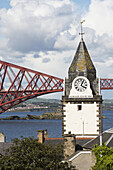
(82, 64)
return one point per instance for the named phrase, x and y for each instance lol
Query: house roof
(107, 137)
(53, 141)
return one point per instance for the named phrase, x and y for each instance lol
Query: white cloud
(44, 34)
(52, 63)
(99, 17)
(31, 25)
(99, 35)
(32, 30)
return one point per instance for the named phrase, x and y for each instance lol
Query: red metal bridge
(18, 84)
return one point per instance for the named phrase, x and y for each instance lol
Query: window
(79, 107)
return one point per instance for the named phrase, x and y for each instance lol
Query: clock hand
(83, 84)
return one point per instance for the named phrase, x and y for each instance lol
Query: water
(20, 114)
(17, 128)
(26, 128)
(108, 123)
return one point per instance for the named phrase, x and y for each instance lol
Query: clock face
(80, 84)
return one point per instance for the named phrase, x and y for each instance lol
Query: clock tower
(82, 101)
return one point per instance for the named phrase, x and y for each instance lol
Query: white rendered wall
(84, 121)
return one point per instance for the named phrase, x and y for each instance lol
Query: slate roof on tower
(82, 64)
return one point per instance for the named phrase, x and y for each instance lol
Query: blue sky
(83, 3)
(5, 4)
(42, 34)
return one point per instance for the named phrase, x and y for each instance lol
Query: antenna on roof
(81, 33)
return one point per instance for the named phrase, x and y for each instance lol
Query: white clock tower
(82, 113)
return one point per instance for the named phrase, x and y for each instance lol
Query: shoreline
(46, 115)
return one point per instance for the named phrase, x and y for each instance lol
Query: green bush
(28, 154)
(104, 158)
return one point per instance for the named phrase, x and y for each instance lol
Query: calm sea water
(17, 128)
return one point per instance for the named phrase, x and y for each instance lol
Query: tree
(104, 157)
(27, 153)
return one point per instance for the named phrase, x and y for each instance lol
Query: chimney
(45, 133)
(69, 145)
(40, 136)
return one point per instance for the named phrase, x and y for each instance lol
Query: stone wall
(69, 145)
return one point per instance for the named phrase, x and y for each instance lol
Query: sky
(44, 34)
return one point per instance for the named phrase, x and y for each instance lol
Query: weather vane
(81, 33)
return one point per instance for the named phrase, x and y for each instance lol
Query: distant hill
(43, 100)
(52, 104)
(108, 101)
(107, 104)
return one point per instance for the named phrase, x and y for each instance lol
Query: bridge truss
(106, 84)
(18, 84)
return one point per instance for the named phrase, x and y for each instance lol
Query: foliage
(104, 157)
(27, 153)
